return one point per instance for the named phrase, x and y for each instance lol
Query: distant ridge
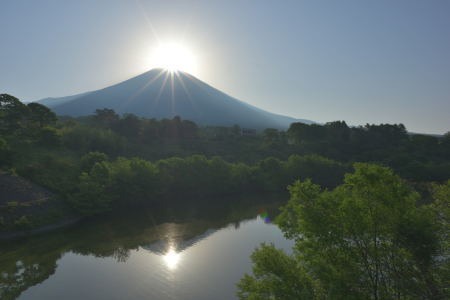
(161, 94)
(53, 101)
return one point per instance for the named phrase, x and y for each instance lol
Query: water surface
(186, 253)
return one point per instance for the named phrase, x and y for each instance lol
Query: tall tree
(13, 113)
(106, 116)
(366, 239)
(41, 114)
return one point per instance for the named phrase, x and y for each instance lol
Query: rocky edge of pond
(27, 208)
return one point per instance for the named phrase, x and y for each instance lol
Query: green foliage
(6, 155)
(129, 126)
(90, 159)
(3, 146)
(91, 197)
(366, 239)
(315, 167)
(23, 223)
(13, 114)
(48, 137)
(136, 182)
(41, 115)
(271, 136)
(441, 210)
(277, 276)
(122, 183)
(57, 173)
(11, 205)
(105, 116)
(84, 139)
(32, 123)
(414, 157)
(176, 158)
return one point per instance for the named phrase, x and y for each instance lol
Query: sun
(174, 57)
(171, 258)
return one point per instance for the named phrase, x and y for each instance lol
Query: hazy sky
(354, 60)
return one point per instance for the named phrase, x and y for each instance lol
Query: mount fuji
(161, 94)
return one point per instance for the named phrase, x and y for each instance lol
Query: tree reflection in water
(27, 262)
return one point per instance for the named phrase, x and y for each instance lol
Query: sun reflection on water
(171, 258)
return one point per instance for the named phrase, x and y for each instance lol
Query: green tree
(351, 242)
(13, 113)
(48, 137)
(441, 209)
(271, 174)
(278, 276)
(93, 195)
(105, 115)
(301, 132)
(41, 115)
(271, 135)
(23, 223)
(338, 132)
(129, 126)
(134, 182)
(6, 154)
(90, 159)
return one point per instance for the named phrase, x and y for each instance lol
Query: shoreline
(42, 229)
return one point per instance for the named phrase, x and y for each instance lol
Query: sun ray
(161, 89)
(172, 89)
(147, 19)
(191, 101)
(138, 92)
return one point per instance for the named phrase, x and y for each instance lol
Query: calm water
(187, 253)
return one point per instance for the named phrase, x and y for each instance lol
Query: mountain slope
(161, 94)
(54, 101)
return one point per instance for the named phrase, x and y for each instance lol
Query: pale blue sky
(360, 61)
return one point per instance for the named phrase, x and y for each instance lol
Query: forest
(368, 210)
(96, 163)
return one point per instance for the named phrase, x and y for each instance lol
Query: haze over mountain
(162, 94)
(53, 101)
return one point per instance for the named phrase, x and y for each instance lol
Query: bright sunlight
(171, 258)
(174, 57)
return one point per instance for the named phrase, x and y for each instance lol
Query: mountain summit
(162, 94)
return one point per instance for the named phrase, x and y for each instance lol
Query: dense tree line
(107, 154)
(416, 157)
(413, 156)
(32, 122)
(91, 163)
(136, 182)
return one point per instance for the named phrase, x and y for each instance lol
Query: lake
(178, 253)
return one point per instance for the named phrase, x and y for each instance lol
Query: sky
(384, 61)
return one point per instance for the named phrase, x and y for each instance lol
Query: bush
(90, 159)
(6, 155)
(49, 137)
(23, 223)
(12, 205)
